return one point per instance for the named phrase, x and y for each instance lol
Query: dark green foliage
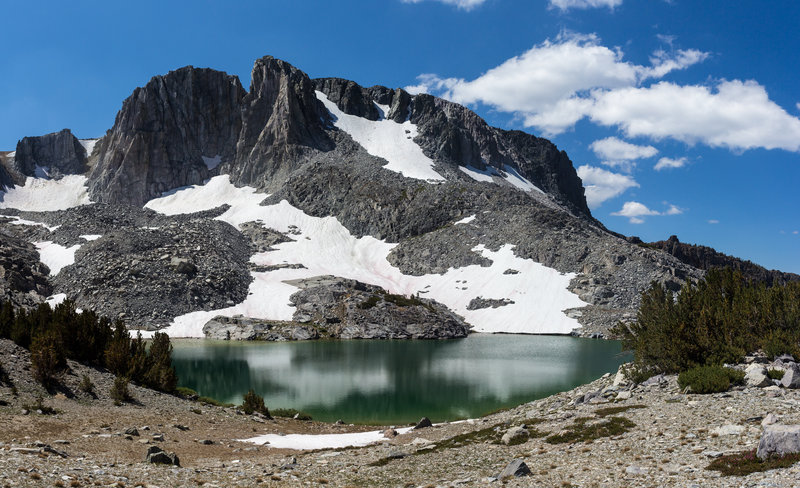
(86, 385)
(212, 401)
(119, 391)
(579, 431)
(403, 301)
(290, 413)
(715, 321)
(47, 358)
(710, 379)
(775, 374)
(117, 354)
(254, 403)
(160, 373)
(605, 412)
(184, 392)
(369, 302)
(746, 462)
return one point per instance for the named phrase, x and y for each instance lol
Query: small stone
(389, 433)
(423, 423)
(729, 430)
(636, 470)
(158, 437)
(769, 420)
(623, 395)
(206, 442)
(132, 431)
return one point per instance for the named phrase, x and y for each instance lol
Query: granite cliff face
(170, 133)
(59, 152)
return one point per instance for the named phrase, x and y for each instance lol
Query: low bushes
(254, 403)
(710, 379)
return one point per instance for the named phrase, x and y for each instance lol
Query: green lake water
(394, 382)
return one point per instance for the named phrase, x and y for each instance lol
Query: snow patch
(45, 195)
(516, 179)
(21, 221)
(212, 163)
(304, 442)
(466, 220)
(480, 174)
(11, 154)
(91, 237)
(88, 145)
(56, 300)
(56, 256)
(325, 247)
(386, 139)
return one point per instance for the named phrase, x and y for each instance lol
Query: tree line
(54, 335)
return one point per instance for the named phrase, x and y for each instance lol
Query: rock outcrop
(23, 278)
(59, 152)
(168, 134)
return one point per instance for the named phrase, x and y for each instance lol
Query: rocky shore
(605, 433)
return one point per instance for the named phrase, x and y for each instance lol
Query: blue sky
(682, 117)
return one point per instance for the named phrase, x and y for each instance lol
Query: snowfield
(509, 174)
(386, 139)
(42, 194)
(325, 247)
(304, 442)
(55, 256)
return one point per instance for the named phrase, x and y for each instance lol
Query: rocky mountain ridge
(498, 189)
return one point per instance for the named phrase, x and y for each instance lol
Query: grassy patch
(775, 374)
(184, 392)
(369, 302)
(605, 412)
(211, 401)
(579, 431)
(746, 462)
(290, 413)
(39, 406)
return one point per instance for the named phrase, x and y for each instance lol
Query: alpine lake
(395, 382)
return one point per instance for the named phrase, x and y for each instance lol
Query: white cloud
(550, 86)
(734, 114)
(583, 4)
(670, 163)
(602, 185)
(557, 83)
(615, 149)
(636, 211)
(624, 166)
(713, 221)
(462, 4)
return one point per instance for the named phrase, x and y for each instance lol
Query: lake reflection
(395, 381)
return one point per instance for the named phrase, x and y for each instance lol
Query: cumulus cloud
(614, 149)
(462, 4)
(549, 86)
(559, 82)
(670, 163)
(636, 211)
(601, 184)
(583, 4)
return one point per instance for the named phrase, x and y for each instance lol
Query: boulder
(756, 376)
(156, 455)
(516, 468)
(778, 440)
(728, 430)
(791, 378)
(132, 431)
(515, 435)
(423, 422)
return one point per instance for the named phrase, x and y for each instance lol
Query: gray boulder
(516, 468)
(423, 423)
(515, 435)
(156, 455)
(791, 378)
(756, 376)
(778, 440)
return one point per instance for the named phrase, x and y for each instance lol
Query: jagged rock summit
(412, 194)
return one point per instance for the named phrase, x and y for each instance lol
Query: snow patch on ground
(46, 195)
(480, 174)
(56, 299)
(90, 237)
(56, 256)
(325, 247)
(11, 154)
(304, 442)
(21, 221)
(212, 163)
(466, 220)
(88, 144)
(516, 179)
(388, 140)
